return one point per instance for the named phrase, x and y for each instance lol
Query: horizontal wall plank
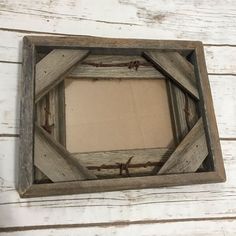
(9, 98)
(182, 19)
(221, 227)
(200, 201)
(223, 90)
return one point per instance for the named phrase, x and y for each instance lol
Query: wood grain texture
(117, 67)
(53, 159)
(183, 110)
(189, 154)
(144, 19)
(175, 67)
(25, 162)
(51, 70)
(49, 110)
(145, 157)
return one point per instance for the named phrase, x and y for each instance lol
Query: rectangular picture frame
(196, 158)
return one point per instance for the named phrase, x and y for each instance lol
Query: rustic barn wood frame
(47, 168)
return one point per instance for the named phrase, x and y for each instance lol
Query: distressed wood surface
(115, 67)
(51, 116)
(199, 20)
(183, 109)
(216, 227)
(175, 67)
(182, 19)
(108, 163)
(52, 69)
(60, 165)
(189, 154)
(25, 161)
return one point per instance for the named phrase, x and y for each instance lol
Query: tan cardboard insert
(124, 114)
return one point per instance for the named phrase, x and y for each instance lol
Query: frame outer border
(26, 188)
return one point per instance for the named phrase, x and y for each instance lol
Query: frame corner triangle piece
(52, 69)
(54, 160)
(189, 154)
(176, 68)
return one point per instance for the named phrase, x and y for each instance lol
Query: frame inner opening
(117, 114)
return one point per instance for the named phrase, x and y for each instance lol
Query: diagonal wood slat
(176, 67)
(55, 161)
(190, 153)
(51, 69)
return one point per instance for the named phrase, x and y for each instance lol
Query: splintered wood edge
(182, 75)
(53, 68)
(60, 152)
(189, 154)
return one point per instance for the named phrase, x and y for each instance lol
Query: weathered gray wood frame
(26, 186)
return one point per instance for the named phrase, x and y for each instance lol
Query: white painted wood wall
(192, 210)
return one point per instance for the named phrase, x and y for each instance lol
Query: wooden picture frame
(47, 168)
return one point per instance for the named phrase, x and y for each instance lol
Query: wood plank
(104, 164)
(206, 227)
(51, 70)
(53, 160)
(182, 20)
(122, 205)
(49, 110)
(10, 98)
(189, 154)
(183, 109)
(25, 161)
(175, 67)
(115, 67)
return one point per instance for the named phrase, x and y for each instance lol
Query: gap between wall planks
(214, 226)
